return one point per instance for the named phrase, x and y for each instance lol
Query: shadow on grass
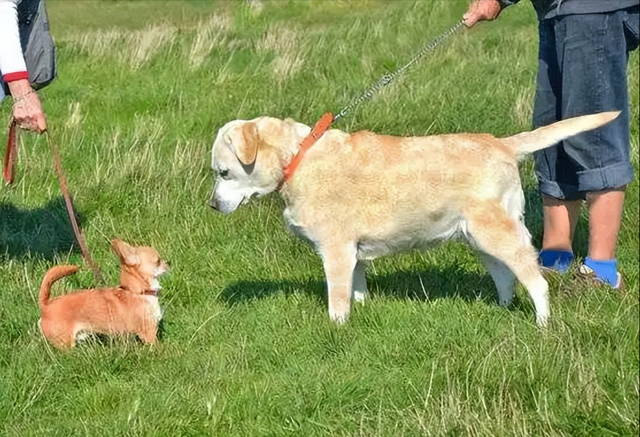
(106, 340)
(416, 285)
(43, 232)
(437, 282)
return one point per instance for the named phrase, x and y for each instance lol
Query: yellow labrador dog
(359, 196)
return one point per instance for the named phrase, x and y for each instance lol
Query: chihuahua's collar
(149, 292)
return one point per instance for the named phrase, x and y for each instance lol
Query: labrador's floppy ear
(126, 253)
(247, 149)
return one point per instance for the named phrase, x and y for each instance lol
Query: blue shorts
(582, 69)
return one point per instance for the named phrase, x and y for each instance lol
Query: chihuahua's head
(140, 267)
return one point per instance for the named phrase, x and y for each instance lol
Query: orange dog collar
(318, 130)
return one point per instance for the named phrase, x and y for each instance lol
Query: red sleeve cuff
(10, 77)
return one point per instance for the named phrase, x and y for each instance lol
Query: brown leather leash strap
(11, 152)
(9, 175)
(62, 181)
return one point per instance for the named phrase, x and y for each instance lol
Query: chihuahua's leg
(148, 332)
(360, 292)
(61, 335)
(339, 261)
(502, 277)
(65, 342)
(62, 340)
(499, 235)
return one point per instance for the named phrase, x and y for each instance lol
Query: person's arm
(485, 10)
(12, 63)
(27, 109)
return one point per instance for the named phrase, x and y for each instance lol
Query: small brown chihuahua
(131, 307)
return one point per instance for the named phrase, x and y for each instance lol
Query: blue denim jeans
(582, 69)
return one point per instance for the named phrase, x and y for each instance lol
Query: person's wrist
(21, 97)
(19, 87)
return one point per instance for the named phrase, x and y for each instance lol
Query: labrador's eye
(223, 174)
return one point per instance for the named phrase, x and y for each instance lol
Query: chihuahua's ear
(247, 149)
(126, 253)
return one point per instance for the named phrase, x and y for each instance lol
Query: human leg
(593, 63)
(605, 217)
(606, 206)
(605, 212)
(559, 187)
(560, 219)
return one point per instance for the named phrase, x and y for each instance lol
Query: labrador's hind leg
(360, 292)
(497, 234)
(502, 277)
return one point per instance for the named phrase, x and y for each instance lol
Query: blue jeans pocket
(632, 29)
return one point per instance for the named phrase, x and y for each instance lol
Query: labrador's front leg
(339, 262)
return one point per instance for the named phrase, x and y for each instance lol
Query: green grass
(247, 347)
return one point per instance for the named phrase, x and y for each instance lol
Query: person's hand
(27, 109)
(482, 10)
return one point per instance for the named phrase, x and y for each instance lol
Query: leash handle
(62, 181)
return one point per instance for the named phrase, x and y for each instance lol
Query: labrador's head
(248, 158)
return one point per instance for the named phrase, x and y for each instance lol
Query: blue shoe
(557, 261)
(614, 279)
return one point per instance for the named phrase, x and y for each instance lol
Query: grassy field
(247, 348)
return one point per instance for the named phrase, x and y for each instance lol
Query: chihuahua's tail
(529, 142)
(52, 275)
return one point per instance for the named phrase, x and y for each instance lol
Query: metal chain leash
(388, 78)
